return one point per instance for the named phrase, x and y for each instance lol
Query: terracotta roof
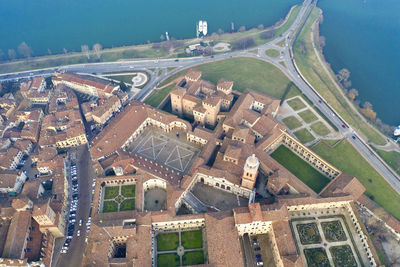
(225, 84)
(16, 235)
(193, 74)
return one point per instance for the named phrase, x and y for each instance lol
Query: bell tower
(250, 171)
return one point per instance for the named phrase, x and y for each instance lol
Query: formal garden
(333, 231)
(180, 248)
(119, 198)
(308, 233)
(343, 256)
(316, 257)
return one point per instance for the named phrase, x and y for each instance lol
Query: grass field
(301, 169)
(313, 71)
(111, 192)
(308, 116)
(346, 158)
(296, 104)
(127, 204)
(272, 53)
(193, 258)
(155, 98)
(291, 122)
(168, 241)
(128, 190)
(168, 260)
(192, 239)
(392, 158)
(304, 136)
(110, 206)
(320, 128)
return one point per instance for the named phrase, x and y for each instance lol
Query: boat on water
(200, 26)
(397, 131)
(205, 28)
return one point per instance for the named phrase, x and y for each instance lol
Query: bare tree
(214, 36)
(65, 50)
(367, 105)
(85, 50)
(24, 50)
(260, 27)
(97, 48)
(244, 42)
(1, 55)
(11, 54)
(49, 51)
(353, 93)
(322, 41)
(268, 34)
(220, 31)
(162, 38)
(343, 75)
(242, 29)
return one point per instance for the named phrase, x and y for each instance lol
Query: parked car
(78, 233)
(80, 222)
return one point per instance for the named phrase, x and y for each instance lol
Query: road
(290, 70)
(85, 177)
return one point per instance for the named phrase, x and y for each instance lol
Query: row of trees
(96, 50)
(23, 51)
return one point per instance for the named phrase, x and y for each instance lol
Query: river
(49, 26)
(364, 37)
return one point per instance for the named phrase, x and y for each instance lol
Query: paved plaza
(171, 150)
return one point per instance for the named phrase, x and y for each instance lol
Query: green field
(304, 136)
(392, 158)
(308, 116)
(168, 241)
(296, 104)
(301, 169)
(168, 260)
(192, 239)
(111, 192)
(110, 206)
(292, 122)
(128, 190)
(272, 53)
(155, 98)
(320, 128)
(315, 74)
(193, 258)
(127, 204)
(346, 158)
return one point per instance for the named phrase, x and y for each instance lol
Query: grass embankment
(107, 55)
(250, 73)
(301, 169)
(391, 157)
(315, 74)
(346, 158)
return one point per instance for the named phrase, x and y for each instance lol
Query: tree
(368, 111)
(97, 49)
(24, 50)
(208, 51)
(49, 51)
(302, 47)
(242, 29)
(1, 55)
(322, 41)
(123, 87)
(260, 27)
(268, 34)
(367, 105)
(353, 93)
(343, 75)
(65, 50)
(220, 31)
(85, 50)
(12, 54)
(162, 38)
(214, 36)
(244, 42)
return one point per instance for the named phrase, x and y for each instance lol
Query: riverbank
(151, 50)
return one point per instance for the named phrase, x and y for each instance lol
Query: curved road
(290, 70)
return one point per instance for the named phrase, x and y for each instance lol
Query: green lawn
(346, 158)
(111, 192)
(281, 43)
(110, 206)
(391, 157)
(320, 128)
(308, 116)
(291, 122)
(168, 260)
(192, 239)
(122, 78)
(296, 104)
(128, 190)
(127, 204)
(272, 53)
(301, 169)
(304, 136)
(168, 241)
(193, 258)
(313, 71)
(155, 98)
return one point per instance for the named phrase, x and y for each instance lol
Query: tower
(250, 171)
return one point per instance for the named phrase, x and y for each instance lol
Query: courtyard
(118, 198)
(182, 248)
(170, 150)
(155, 199)
(326, 241)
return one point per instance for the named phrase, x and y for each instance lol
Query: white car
(78, 233)
(80, 222)
(64, 251)
(86, 239)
